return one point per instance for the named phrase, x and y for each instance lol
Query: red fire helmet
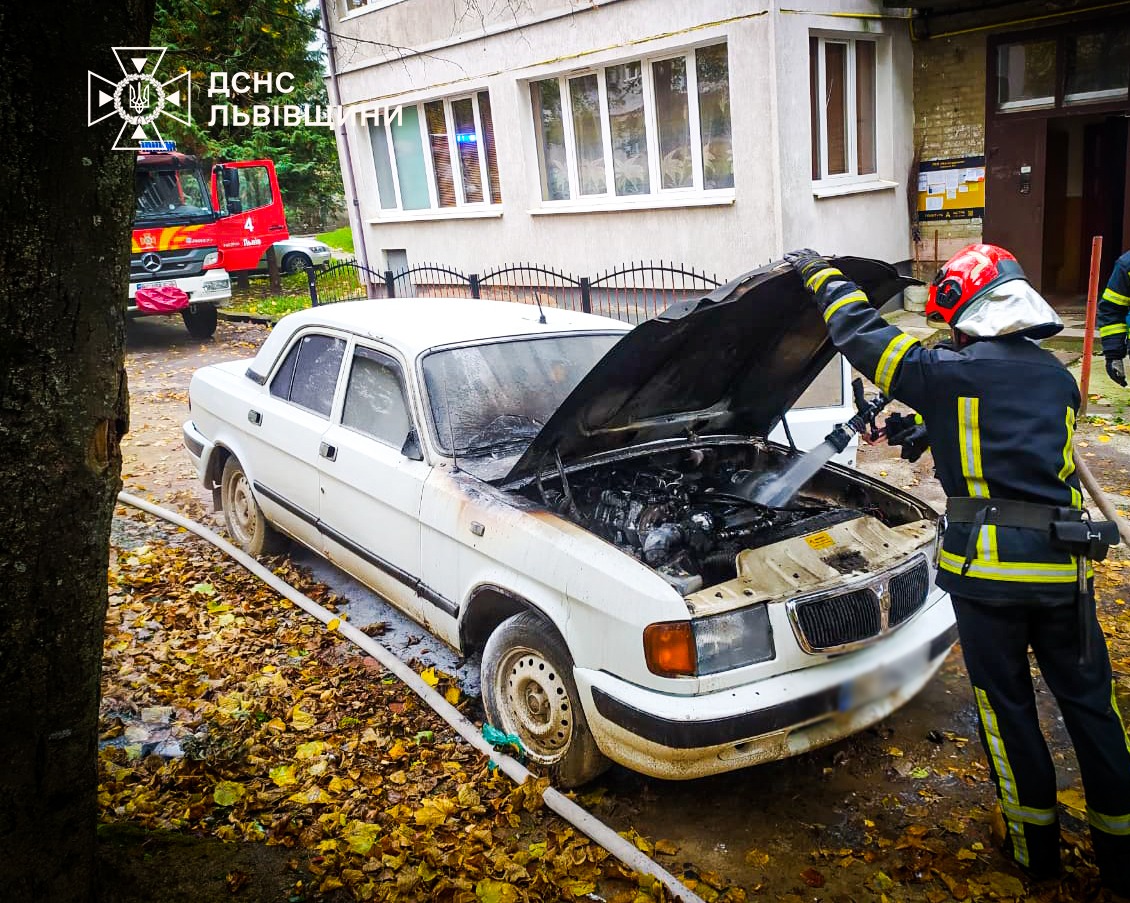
(966, 276)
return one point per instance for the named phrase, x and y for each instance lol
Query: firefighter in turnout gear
(999, 413)
(1114, 306)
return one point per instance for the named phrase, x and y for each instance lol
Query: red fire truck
(189, 233)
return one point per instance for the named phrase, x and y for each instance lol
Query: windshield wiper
(488, 448)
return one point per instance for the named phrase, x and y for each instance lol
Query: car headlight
(212, 259)
(709, 645)
(319, 249)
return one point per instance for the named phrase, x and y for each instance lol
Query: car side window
(374, 398)
(309, 372)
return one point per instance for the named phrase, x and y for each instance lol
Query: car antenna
(450, 427)
(541, 313)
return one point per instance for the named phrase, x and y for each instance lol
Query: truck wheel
(243, 516)
(295, 262)
(528, 690)
(200, 322)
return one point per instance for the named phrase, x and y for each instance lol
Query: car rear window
(308, 374)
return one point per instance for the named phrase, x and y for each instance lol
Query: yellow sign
(951, 188)
(821, 540)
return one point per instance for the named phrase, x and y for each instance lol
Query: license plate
(882, 681)
(163, 284)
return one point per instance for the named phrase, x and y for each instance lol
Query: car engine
(687, 516)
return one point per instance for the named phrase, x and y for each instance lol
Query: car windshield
(164, 193)
(500, 394)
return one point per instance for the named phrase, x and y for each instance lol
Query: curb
(263, 319)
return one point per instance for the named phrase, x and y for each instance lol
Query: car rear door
(288, 432)
(251, 211)
(371, 489)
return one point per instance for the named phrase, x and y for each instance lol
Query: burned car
(574, 500)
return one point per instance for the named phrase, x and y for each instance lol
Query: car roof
(413, 325)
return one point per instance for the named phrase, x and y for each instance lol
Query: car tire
(295, 262)
(528, 690)
(201, 322)
(245, 520)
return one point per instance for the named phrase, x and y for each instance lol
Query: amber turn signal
(669, 649)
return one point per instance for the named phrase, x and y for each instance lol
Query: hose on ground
(584, 821)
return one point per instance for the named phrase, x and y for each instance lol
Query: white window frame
(657, 196)
(369, 6)
(851, 136)
(489, 205)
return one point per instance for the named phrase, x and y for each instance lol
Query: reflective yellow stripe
(1109, 824)
(1115, 298)
(1011, 571)
(1006, 781)
(846, 299)
(1113, 329)
(1028, 814)
(969, 438)
(1069, 459)
(891, 358)
(818, 278)
(987, 543)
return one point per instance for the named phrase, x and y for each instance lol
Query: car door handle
(255, 417)
(275, 228)
(328, 451)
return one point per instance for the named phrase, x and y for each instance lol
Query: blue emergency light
(158, 146)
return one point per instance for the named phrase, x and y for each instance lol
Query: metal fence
(632, 292)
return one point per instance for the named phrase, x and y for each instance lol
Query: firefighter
(1113, 308)
(999, 414)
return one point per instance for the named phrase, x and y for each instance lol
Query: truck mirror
(411, 447)
(230, 179)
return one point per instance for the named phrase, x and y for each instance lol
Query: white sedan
(574, 500)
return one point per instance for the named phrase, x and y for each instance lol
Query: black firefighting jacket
(1113, 308)
(1000, 415)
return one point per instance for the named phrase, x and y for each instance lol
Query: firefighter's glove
(907, 432)
(1116, 370)
(807, 263)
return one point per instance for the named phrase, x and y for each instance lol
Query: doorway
(1084, 196)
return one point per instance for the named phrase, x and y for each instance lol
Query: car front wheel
(528, 690)
(243, 516)
(295, 262)
(200, 321)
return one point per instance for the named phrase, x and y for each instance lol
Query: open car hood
(733, 361)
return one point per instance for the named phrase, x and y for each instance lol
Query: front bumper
(688, 737)
(210, 287)
(199, 449)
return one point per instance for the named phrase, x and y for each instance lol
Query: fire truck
(189, 232)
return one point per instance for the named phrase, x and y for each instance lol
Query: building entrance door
(1015, 176)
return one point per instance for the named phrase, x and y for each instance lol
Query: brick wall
(949, 121)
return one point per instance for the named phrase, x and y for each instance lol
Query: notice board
(951, 188)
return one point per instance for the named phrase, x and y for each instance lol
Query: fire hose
(584, 821)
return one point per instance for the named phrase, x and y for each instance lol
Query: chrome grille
(836, 621)
(908, 592)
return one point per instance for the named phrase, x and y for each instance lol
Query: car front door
(251, 211)
(371, 484)
(287, 433)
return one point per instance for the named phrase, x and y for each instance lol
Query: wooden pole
(937, 262)
(1089, 327)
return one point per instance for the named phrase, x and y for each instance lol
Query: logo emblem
(139, 98)
(148, 240)
(883, 594)
(151, 262)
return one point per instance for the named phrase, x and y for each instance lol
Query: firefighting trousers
(995, 640)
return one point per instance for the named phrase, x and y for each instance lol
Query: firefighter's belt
(1001, 513)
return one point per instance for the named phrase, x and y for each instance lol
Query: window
(1026, 75)
(1098, 66)
(436, 154)
(374, 399)
(843, 86)
(643, 127)
(308, 374)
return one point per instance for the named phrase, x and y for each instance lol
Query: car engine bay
(689, 515)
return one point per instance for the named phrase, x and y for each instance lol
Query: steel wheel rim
(534, 704)
(241, 505)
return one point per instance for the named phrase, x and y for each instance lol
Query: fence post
(473, 279)
(390, 284)
(586, 295)
(312, 282)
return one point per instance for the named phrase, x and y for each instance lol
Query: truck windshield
(164, 194)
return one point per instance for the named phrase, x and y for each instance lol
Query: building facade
(1037, 94)
(579, 134)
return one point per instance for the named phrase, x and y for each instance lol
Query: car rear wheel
(200, 321)
(243, 516)
(295, 262)
(528, 690)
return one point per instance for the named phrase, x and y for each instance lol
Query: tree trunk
(66, 203)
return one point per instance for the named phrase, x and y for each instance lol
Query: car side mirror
(230, 180)
(411, 447)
